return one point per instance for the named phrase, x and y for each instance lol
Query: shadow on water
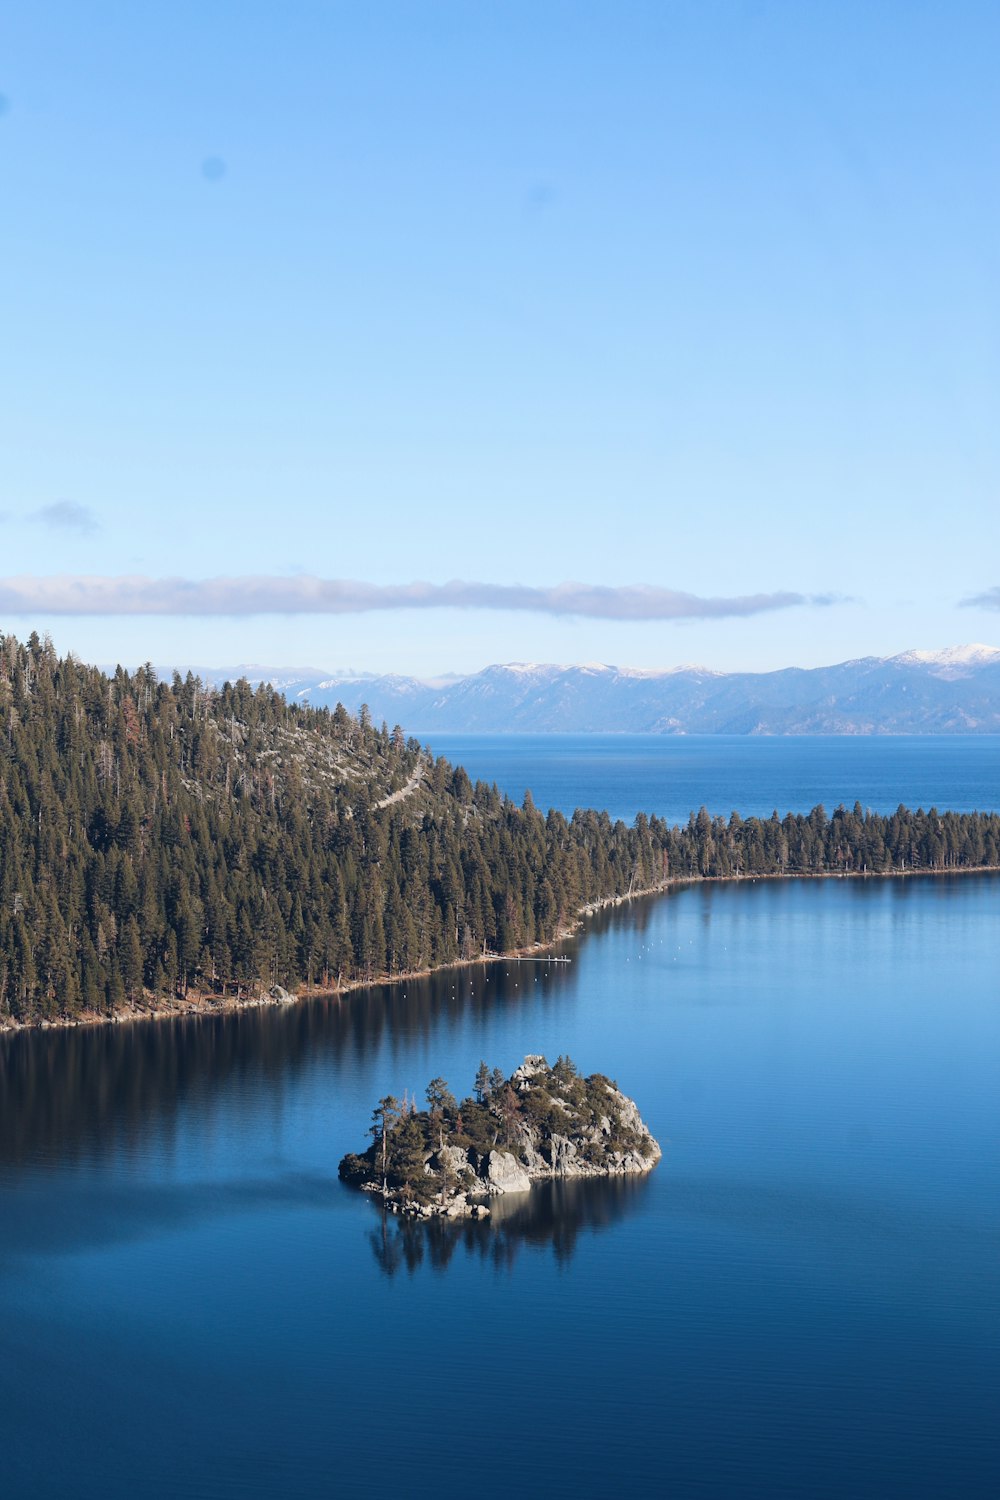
(552, 1216)
(88, 1216)
(86, 1091)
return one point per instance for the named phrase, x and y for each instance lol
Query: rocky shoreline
(540, 1123)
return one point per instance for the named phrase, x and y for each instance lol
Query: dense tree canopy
(160, 838)
(521, 1113)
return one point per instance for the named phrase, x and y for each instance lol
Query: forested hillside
(161, 840)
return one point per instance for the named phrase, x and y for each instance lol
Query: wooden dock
(529, 959)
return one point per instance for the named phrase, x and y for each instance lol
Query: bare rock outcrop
(503, 1173)
(540, 1123)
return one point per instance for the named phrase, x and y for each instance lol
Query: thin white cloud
(66, 515)
(988, 599)
(88, 595)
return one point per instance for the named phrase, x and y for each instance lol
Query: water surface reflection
(552, 1216)
(802, 1299)
(87, 1091)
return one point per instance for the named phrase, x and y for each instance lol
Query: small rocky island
(541, 1122)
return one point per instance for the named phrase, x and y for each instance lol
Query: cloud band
(83, 595)
(63, 515)
(988, 599)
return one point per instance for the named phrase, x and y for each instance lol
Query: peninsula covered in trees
(164, 843)
(541, 1122)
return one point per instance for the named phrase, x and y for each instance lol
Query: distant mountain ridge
(951, 691)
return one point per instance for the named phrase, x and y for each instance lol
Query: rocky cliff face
(542, 1122)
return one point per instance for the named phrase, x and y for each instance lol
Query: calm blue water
(674, 775)
(803, 1299)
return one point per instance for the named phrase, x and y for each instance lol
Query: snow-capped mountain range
(952, 691)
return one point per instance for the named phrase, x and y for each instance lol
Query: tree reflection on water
(552, 1216)
(88, 1091)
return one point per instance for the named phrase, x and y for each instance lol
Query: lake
(802, 1299)
(674, 775)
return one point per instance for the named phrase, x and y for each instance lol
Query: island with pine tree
(542, 1122)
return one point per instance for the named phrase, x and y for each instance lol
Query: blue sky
(700, 299)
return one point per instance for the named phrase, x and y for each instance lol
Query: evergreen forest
(536, 1105)
(161, 840)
